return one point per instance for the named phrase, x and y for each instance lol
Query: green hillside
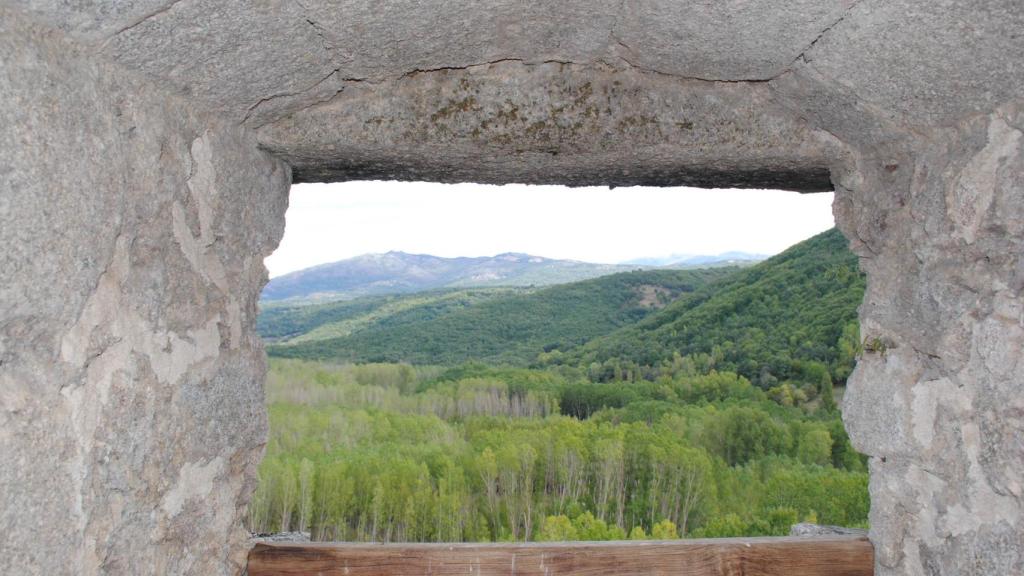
(778, 320)
(508, 327)
(295, 323)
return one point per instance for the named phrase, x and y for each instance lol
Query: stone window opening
(291, 496)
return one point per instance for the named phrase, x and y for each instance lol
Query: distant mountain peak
(400, 272)
(695, 260)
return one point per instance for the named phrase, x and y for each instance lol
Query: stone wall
(936, 399)
(135, 211)
(133, 232)
(553, 122)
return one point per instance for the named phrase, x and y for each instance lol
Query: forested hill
(506, 326)
(401, 273)
(293, 323)
(780, 319)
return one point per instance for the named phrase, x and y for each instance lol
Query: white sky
(330, 222)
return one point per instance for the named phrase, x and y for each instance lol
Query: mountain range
(764, 321)
(403, 273)
(732, 258)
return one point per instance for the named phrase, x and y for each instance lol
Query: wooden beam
(806, 556)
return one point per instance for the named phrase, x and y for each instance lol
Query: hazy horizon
(675, 258)
(331, 222)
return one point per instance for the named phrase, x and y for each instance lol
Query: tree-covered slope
(294, 323)
(511, 328)
(768, 322)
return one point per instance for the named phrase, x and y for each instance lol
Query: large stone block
(937, 399)
(133, 231)
(551, 123)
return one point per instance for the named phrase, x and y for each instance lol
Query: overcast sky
(330, 222)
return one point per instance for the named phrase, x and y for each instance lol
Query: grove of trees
(474, 453)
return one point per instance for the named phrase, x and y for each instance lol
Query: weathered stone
(554, 123)
(925, 63)
(806, 529)
(234, 54)
(131, 411)
(282, 537)
(938, 405)
(136, 205)
(896, 56)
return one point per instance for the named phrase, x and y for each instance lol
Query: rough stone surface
(805, 529)
(282, 537)
(137, 197)
(925, 63)
(936, 400)
(131, 405)
(234, 53)
(554, 123)
(917, 62)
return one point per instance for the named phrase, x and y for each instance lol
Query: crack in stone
(930, 355)
(252, 109)
(612, 34)
(657, 72)
(138, 21)
(802, 56)
(614, 38)
(524, 62)
(329, 47)
(322, 34)
(320, 31)
(416, 71)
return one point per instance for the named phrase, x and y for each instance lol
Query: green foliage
(310, 322)
(664, 530)
(726, 526)
(849, 348)
(512, 327)
(402, 453)
(765, 322)
(773, 522)
(744, 433)
(557, 529)
(815, 446)
(590, 528)
(277, 322)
